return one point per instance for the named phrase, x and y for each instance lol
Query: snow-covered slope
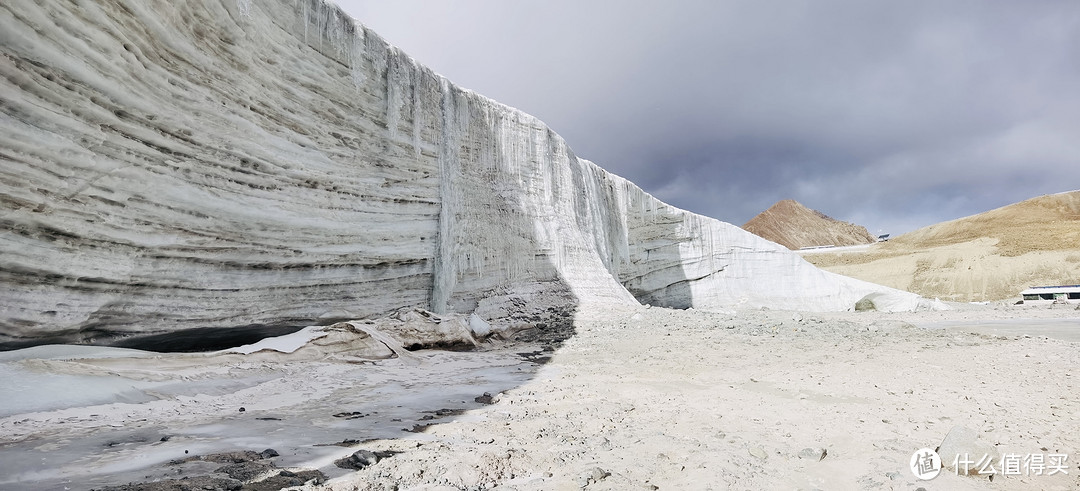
(219, 163)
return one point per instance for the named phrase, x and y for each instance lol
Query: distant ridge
(795, 226)
(1043, 223)
(984, 257)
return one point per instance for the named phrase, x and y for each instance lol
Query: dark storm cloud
(894, 115)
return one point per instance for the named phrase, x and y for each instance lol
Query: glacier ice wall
(219, 163)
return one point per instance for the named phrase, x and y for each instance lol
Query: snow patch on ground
(282, 344)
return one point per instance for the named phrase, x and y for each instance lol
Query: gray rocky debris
(813, 453)
(865, 305)
(358, 460)
(591, 476)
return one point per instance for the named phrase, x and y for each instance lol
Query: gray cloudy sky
(894, 115)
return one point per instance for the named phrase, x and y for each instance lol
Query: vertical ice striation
(417, 118)
(445, 266)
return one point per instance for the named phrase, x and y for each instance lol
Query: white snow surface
(282, 344)
(217, 163)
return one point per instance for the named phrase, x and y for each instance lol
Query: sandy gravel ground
(662, 399)
(637, 398)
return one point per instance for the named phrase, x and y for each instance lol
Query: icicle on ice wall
(445, 272)
(356, 56)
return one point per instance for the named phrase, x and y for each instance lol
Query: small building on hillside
(1051, 294)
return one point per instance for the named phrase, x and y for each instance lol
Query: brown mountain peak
(795, 226)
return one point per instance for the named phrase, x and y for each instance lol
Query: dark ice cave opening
(205, 339)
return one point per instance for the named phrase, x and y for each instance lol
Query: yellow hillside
(989, 256)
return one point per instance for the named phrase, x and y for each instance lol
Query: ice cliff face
(220, 163)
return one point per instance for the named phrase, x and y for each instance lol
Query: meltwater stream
(78, 417)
